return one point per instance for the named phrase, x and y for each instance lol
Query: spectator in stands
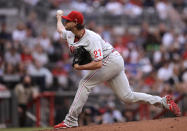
(162, 8)
(1, 65)
(129, 115)
(61, 75)
(4, 37)
(26, 56)
(80, 5)
(55, 4)
(167, 88)
(165, 72)
(133, 55)
(30, 41)
(168, 39)
(107, 117)
(39, 55)
(45, 42)
(167, 11)
(121, 47)
(19, 34)
(12, 56)
(179, 5)
(31, 2)
(116, 113)
(175, 78)
(157, 57)
(25, 92)
(21, 69)
(9, 69)
(91, 25)
(114, 7)
(183, 85)
(112, 114)
(133, 8)
(104, 31)
(144, 62)
(38, 70)
(10, 77)
(32, 23)
(58, 47)
(148, 3)
(87, 116)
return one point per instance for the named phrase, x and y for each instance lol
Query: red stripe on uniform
(81, 90)
(84, 85)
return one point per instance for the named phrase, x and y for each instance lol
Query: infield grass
(25, 129)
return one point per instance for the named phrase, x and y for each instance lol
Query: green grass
(24, 129)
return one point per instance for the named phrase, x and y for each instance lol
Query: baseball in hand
(59, 12)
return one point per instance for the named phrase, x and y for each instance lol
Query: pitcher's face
(69, 25)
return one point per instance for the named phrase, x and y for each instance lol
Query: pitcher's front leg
(77, 105)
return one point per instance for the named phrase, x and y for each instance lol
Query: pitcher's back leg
(120, 86)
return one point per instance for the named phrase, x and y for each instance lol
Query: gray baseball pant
(112, 71)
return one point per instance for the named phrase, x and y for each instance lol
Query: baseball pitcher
(105, 65)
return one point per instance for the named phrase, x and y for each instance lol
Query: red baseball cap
(75, 16)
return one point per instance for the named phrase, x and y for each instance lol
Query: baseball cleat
(170, 104)
(62, 125)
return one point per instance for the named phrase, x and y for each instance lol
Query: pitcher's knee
(129, 98)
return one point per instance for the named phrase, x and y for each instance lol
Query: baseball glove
(81, 56)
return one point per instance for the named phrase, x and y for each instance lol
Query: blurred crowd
(115, 7)
(155, 56)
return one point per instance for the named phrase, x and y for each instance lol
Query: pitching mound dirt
(168, 124)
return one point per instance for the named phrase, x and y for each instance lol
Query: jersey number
(97, 53)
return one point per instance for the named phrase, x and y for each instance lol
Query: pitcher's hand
(59, 14)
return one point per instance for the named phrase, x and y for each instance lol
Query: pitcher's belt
(113, 50)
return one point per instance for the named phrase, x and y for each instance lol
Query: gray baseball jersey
(111, 72)
(92, 42)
